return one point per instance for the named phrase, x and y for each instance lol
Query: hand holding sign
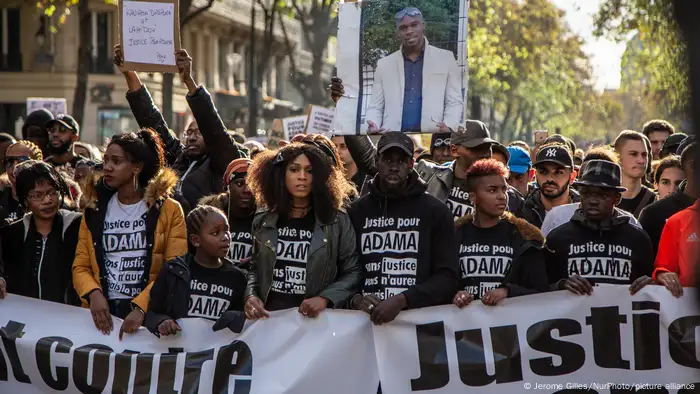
(150, 35)
(184, 68)
(118, 57)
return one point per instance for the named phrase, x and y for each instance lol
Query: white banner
(609, 342)
(47, 347)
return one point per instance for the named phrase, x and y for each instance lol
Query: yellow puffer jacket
(169, 238)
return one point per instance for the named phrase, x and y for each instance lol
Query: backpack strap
(643, 203)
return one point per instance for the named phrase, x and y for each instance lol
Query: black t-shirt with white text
(458, 200)
(14, 210)
(389, 247)
(289, 277)
(617, 256)
(241, 239)
(214, 291)
(485, 257)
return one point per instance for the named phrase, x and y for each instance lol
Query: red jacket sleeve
(667, 256)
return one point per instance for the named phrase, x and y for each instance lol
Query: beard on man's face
(60, 149)
(557, 193)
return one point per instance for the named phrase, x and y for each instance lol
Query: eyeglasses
(441, 142)
(40, 196)
(9, 161)
(191, 133)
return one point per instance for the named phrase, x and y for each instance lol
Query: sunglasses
(410, 11)
(441, 142)
(9, 161)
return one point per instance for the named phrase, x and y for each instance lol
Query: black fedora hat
(601, 173)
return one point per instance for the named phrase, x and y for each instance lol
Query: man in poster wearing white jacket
(418, 87)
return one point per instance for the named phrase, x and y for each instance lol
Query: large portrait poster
(403, 65)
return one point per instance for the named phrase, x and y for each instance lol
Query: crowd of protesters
(152, 228)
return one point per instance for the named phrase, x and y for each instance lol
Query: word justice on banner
(556, 343)
(609, 342)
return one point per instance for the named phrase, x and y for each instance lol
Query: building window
(101, 55)
(10, 53)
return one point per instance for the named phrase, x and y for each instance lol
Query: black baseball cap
(558, 154)
(395, 139)
(672, 143)
(66, 121)
(497, 147)
(471, 134)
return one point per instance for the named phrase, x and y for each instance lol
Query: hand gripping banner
(47, 347)
(560, 343)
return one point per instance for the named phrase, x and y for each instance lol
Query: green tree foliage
(529, 67)
(318, 20)
(379, 32)
(654, 66)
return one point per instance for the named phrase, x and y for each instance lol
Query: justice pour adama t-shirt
(289, 275)
(125, 246)
(389, 248)
(458, 200)
(485, 257)
(214, 291)
(241, 239)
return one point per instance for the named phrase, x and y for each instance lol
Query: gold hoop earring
(136, 183)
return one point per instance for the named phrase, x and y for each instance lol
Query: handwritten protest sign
(321, 120)
(54, 105)
(293, 125)
(150, 34)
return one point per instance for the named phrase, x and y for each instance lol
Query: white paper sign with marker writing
(321, 120)
(54, 105)
(148, 32)
(294, 125)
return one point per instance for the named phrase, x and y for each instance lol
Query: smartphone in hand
(541, 136)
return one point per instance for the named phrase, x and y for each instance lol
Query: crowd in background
(156, 226)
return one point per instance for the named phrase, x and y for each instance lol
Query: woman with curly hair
(11, 207)
(304, 252)
(130, 227)
(327, 146)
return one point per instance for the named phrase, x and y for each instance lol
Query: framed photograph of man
(403, 65)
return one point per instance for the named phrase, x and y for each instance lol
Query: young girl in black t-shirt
(500, 255)
(203, 283)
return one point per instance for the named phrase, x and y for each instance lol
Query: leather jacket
(333, 269)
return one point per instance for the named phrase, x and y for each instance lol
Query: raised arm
(220, 146)
(145, 110)
(360, 146)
